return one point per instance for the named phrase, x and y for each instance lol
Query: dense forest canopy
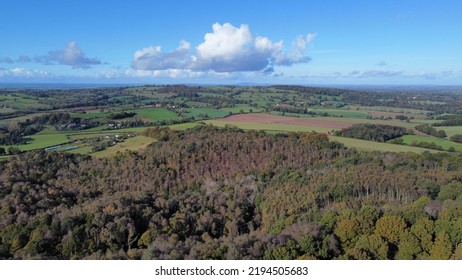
(209, 193)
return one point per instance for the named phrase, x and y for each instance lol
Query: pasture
(444, 143)
(131, 144)
(155, 114)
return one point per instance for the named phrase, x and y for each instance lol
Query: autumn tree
(391, 228)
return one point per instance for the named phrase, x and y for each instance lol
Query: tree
(374, 245)
(458, 252)
(391, 228)
(442, 248)
(450, 191)
(13, 151)
(440, 134)
(456, 138)
(409, 247)
(423, 229)
(348, 231)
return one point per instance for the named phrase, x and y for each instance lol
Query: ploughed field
(278, 120)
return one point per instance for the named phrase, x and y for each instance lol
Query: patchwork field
(242, 107)
(273, 123)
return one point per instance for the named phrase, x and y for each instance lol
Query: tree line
(372, 132)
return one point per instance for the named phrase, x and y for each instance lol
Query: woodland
(226, 193)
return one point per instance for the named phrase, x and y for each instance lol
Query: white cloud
(374, 73)
(152, 58)
(226, 49)
(18, 72)
(71, 55)
(385, 74)
(297, 53)
(225, 42)
(165, 73)
(231, 49)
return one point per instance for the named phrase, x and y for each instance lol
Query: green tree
(147, 238)
(456, 138)
(13, 151)
(348, 231)
(450, 191)
(409, 247)
(423, 230)
(391, 228)
(442, 248)
(458, 252)
(287, 252)
(374, 245)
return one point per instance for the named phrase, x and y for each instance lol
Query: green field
(131, 144)
(40, 141)
(21, 102)
(446, 144)
(155, 114)
(200, 113)
(183, 126)
(450, 130)
(354, 120)
(364, 145)
(241, 107)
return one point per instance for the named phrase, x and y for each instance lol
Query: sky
(306, 42)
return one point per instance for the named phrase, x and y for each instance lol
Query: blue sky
(228, 42)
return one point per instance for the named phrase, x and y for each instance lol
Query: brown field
(272, 119)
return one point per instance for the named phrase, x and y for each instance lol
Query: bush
(456, 138)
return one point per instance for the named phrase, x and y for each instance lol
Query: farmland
(443, 143)
(97, 116)
(132, 144)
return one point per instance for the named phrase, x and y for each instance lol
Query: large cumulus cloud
(226, 49)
